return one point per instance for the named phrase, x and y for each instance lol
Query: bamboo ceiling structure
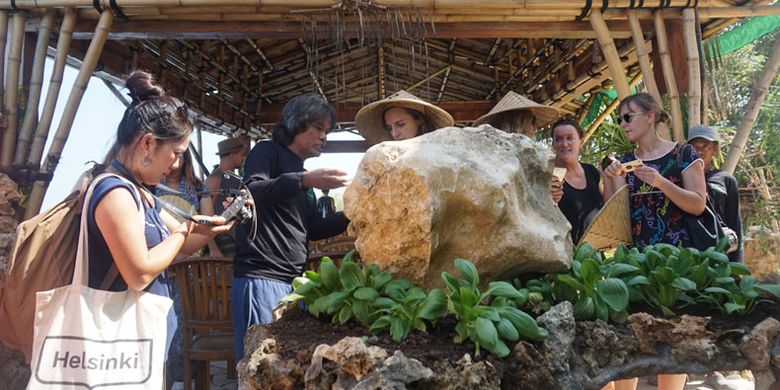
(237, 62)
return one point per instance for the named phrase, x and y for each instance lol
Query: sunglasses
(626, 118)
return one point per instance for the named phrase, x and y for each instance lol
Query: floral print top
(654, 218)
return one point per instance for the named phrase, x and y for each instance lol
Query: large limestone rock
(475, 193)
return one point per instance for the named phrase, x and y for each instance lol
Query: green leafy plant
(488, 323)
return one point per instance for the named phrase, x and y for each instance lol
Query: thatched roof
(240, 61)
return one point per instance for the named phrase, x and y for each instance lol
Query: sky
(94, 131)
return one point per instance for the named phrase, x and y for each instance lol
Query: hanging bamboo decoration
(34, 96)
(607, 46)
(12, 89)
(671, 83)
(754, 105)
(612, 106)
(69, 114)
(694, 70)
(3, 36)
(55, 83)
(642, 55)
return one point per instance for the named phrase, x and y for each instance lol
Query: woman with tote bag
(113, 324)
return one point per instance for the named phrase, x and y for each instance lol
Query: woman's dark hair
(424, 124)
(568, 122)
(299, 113)
(647, 103)
(151, 111)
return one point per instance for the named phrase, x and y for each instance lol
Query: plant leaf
(330, 275)
(434, 306)
(486, 332)
(469, 272)
(351, 276)
(614, 293)
(365, 294)
(502, 289)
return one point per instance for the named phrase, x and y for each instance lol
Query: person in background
(152, 136)
(517, 114)
(266, 264)
(326, 204)
(721, 186)
(581, 198)
(231, 152)
(670, 184)
(398, 117)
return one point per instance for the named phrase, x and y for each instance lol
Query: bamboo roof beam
(694, 75)
(66, 121)
(55, 83)
(11, 100)
(671, 83)
(607, 45)
(24, 140)
(292, 30)
(642, 54)
(429, 78)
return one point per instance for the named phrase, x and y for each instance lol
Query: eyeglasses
(626, 118)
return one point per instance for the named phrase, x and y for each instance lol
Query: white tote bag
(89, 338)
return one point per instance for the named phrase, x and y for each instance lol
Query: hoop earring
(146, 162)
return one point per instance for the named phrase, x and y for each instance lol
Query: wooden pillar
(694, 70)
(55, 82)
(36, 84)
(754, 105)
(12, 89)
(671, 83)
(69, 114)
(607, 46)
(642, 55)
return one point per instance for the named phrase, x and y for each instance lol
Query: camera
(238, 209)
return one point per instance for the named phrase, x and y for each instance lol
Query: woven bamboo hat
(515, 102)
(612, 225)
(370, 120)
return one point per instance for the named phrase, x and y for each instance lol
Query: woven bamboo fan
(612, 225)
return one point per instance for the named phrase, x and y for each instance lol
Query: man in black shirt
(287, 212)
(721, 186)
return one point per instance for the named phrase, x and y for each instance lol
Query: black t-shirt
(724, 194)
(288, 216)
(578, 204)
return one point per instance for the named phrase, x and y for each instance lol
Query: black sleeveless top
(578, 204)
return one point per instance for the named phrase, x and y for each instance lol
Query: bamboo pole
(642, 55)
(585, 107)
(36, 84)
(55, 83)
(694, 70)
(612, 106)
(610, 52)
(754, 105)
(69, 114)
(12, 89)
(671, 83)
(3, 38)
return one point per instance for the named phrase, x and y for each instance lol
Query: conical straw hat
(612, 225)
(370, 120)
(514, 102)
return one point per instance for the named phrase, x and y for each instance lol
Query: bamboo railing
(74, 99)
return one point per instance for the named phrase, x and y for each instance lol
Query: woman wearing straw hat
(669, 184)
(398, 117)
(517, 114)
(581, 192)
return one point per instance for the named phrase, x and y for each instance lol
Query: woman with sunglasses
(152, 136)
(668, 185)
